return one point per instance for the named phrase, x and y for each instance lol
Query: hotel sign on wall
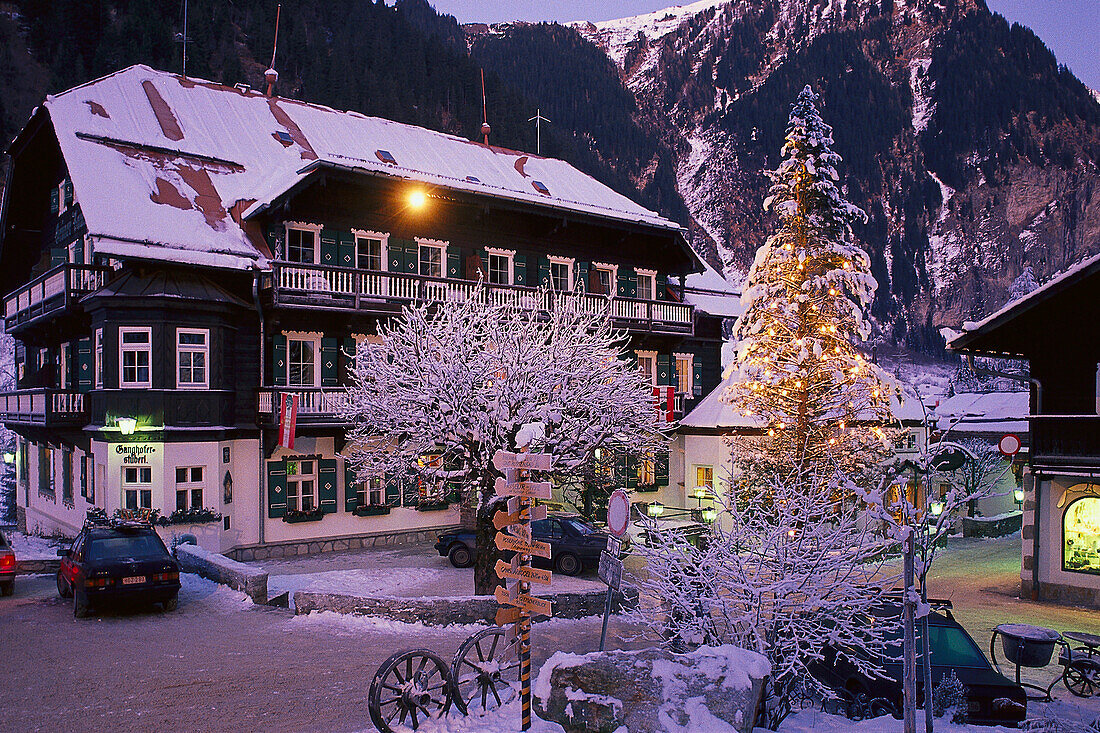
(122, 455)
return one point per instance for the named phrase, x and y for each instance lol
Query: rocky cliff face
(972, 152)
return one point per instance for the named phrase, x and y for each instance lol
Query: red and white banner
(288, 420)
(663, 400)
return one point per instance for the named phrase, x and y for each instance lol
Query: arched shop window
(1081, 536)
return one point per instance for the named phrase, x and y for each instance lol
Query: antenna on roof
(182, 39)
(538, 119)
(271, 76)
(485, 129)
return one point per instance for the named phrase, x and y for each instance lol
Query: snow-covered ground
(30, 547)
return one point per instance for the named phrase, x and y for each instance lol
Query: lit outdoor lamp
(700, 493)
(127, 425)
(656, 509)
(935, 508)
(9, 457)
(417, 199)
(1017, 495)
(709, 515)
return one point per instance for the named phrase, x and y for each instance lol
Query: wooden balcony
(43, 407)
(316, 405)
(383, 293)
(53, 292)
(1071, 441)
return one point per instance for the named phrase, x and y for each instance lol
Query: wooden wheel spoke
(493, 648)
(494, 689)
(480, 654)
(391, 688)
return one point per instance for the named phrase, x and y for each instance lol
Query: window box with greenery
(294, 516)
(191, 516)
(371, 510)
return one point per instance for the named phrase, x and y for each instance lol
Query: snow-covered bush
(949, 696)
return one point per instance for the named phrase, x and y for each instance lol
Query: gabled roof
(165, 166)
(170, 285)
(984, 412)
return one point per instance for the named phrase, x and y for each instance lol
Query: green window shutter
(454, 265)
(58, 256)
(54, 199)
(345, 249)
(580, 276)
(330, 361)
(672, 376)
(664, 370)
(544, 272)
(519, 269)
(71, 368)
(624, 288)
(697, 376)
(351, 496)
(393, 490)
(662, 285)
(278, 360)
(276, 489)
(412, 257)
(395, 255)
(660, 467)
(326, 485)
(68, 194)
(328, 247)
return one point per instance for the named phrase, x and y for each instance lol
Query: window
(137, 487)
(603, 279)
(647, 472)
(192, 349)
(301, 363)
(99, 358)
(561, 273)
(500, 267)
(66, 360)
(189, 486)
(647, 365)
(704, 476)
(370, 492)
(301, 486)
(45, 470)
(646, 284)
(684, 373)
(135, 357)
(1081, 536)
(301, 245)
(369, 253)
(67, 476)
(431, 257)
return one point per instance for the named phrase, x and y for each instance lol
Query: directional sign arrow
(529, 489)
(532, 575)
(507, 616)
(507, 542)
(503, 519)
(520, 531)
(509, 597)
(532, 604)
(527, 461)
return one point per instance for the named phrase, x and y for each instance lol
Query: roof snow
(990, 412)
(711, 293)
(167, 167)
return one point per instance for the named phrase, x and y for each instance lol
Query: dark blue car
(574, 544)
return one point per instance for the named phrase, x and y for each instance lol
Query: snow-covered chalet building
(178, 254)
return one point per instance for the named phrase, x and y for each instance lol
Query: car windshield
(109, 548)
(951, 647)
(580, 527)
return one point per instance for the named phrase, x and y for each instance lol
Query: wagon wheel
(1082, 678)
(485, 672)
(409, 687)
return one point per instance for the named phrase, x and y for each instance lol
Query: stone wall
(219, 568)
(1070, 595)
(999, 527)
(33, 567)
(335, 544)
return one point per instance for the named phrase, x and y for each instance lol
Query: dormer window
(302, 243)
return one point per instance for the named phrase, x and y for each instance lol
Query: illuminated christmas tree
(821, 402)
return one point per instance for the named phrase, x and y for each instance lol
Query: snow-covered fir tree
(447, 385)
(798, 368)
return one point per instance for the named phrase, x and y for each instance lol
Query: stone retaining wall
(335, 544)
(33, 567)
(454, 610)
(979, 527)
(221, 569)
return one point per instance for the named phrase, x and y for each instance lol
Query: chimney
(271, 77)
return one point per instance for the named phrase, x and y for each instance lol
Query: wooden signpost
(517, 603)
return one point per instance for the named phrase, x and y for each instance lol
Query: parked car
(7, 567)
(992, 698)
(114, 563)
(574, 544)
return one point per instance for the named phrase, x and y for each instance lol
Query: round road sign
(618, 513)
(1009, 445)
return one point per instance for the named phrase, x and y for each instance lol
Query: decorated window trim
(689, 373)
(652, 277)
(124, 348)
(383, 237)
(652, 356)
(302, 226)
(508, 254)
(569, 263)
(421, 243)
(315, 337)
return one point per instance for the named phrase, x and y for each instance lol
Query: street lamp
(9, 457)
(700, 493)
(655, 509)
(1017, 495)
(935, 508)
(127, 425)
(709, 515)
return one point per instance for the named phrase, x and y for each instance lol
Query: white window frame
(696, 468)
(613, 283)
(297, 479)
(191, 349)
(383, 237)
(690, 372)
(370, 489)
(123, 348)
(568, 262)
(510, 272)
(652, 276)
(143, 489)
(190, 485)
(65, 357)
(421, 244)
(302, 226)
(98, 366)
(314, 337)
(652, 356)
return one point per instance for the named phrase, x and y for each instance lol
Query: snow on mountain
(617, 35)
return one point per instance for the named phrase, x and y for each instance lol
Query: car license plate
(133, 580)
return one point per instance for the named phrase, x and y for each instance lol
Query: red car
(7, 567)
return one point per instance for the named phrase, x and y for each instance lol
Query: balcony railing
(1066, 440)
(52, 291)
(295, 284)
(42, 407)
(314, 403)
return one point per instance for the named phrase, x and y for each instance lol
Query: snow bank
(29, 547)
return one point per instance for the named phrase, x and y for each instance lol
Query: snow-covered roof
(990, 412)
(166, 166)
(711, 293)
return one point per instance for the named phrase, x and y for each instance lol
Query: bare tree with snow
(448, 384)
